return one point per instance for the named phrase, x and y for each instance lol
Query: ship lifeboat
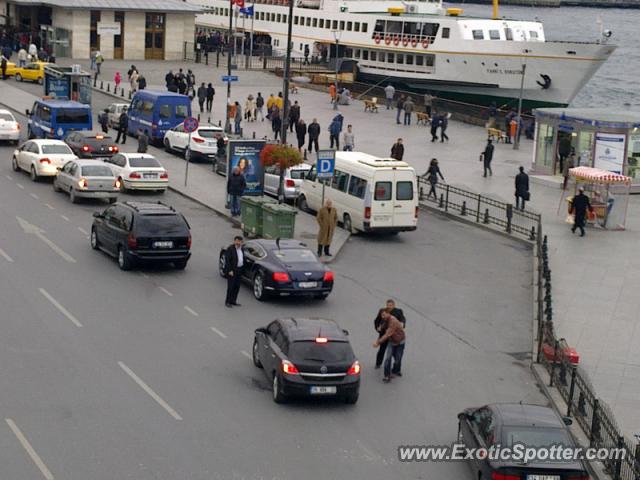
(387, 40)
(425, 43)
(377, 38)
(414, 42)
(454, 12)
(396, 40)
(405, 41)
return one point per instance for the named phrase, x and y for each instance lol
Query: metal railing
(591, 413)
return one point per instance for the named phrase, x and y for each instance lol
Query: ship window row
(406, 28)
(496, 34)
(394, 58)
(330, 24)
(271, 17)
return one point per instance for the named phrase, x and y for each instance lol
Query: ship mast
(495, 10)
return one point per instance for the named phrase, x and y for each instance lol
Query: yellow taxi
(11, 69)
(33, 72)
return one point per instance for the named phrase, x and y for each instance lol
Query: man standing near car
(123, 126)
(327, 220)
(143, 141)
(234, 264)
(380, 327)
(235, 188)
(103, 118)
(394, 334)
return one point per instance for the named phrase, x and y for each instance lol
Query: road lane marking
(149, 391)
(191, 311)
(83, 230)
(50, 207)
(246, 354)
(5, 256)
(19, 185)
(64, 217)
(34, 196)
(62, 310)
(218, 332)
(162, 289)
(30, 450)
(38, 232)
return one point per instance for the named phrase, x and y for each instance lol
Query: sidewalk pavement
(595, 280)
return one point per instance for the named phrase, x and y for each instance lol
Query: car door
(23, 158)
(63, 179)
(483, 428)
(405, 198)
(180, 137)
(116, 164)
(252, 253)
(106, 232)
(312, 189)
(267, 353)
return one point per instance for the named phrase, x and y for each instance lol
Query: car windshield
(73, 115)
(144, 162)
(298, 174)
(295, 255)
(536, 437)
(329, 352)
(6, 117)
(96, 171)
(160, 224)
(50, 149)
(209, 133)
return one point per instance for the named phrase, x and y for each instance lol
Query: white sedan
(138, 171)
(204, 141)
(9, 127)
(42, 158)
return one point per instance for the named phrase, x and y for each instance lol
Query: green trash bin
(251, 214)
(278, 220)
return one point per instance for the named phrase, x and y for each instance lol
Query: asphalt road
(145, 375)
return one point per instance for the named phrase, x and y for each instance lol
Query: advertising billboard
(609, 154)
(245, 154)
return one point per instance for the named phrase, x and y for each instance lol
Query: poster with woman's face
(245, 154)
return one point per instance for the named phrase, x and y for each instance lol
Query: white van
(371, 194)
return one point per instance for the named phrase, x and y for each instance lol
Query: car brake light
(289, 368)
(17, 126)
(132, 242)
(99, 137)
(416, 214)
(164, 175)
(115, 149)
(116, 183)
(189, 242)
(367, 212)
(290, 183)
(45, 160)
(503, 476)
(134, 175)
(355, 369)
(86, 148)
(322, 339)
(328, 277)
(82, 183)
(197, 139)
(281, 277)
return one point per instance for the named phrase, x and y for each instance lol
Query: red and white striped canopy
(597, 175)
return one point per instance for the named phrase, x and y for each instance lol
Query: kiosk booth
(592, 137)
(67, 82)
(608, 193)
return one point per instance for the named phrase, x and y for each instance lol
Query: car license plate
(322, 390)
(308, 284)
(543, 477)
(149, 175)
(163, 244)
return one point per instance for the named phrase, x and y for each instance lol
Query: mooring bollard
(198, 117)
(219, 123)
(486, 216)
(122, 92)
(254, 135)
(209, 120)
(441, 204)
(101, 85)
(463, 211)
(108, 85)
(533, 233)
(129, 94)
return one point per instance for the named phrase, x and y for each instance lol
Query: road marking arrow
(38, 232)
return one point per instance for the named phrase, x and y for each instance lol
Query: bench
(423, 118)
(371, 105)
(496, 134)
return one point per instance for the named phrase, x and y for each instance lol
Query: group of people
(27, 51)
(136, 80)
(181, 82)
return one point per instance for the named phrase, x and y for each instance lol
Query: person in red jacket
(394, 333)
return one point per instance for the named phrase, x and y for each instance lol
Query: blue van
(55, 118)
(157, 112)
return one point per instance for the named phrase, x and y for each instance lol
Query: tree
(285, 156)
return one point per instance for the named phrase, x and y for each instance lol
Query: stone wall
(106, 41)
(134, 35)
(80, 27)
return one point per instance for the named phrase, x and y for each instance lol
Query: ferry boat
(424, 47)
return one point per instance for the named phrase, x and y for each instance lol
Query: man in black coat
(379, 325)
(301, 133)
(522, 188)
(233, 266)
(294, 115)
(487, 156)
(397, 150)
(579, 207)
(314, 134)
(235, 188)
(123, 126)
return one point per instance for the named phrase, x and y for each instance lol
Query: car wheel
(347, 224)
(72, 196)
(258, 286)
(94, 239)
(33, 174)
(302, 203)
(14, 164)
(180, 265)
(124, 261)
(112, 200)
(18, 77)
(255, 356)
(222, 265)
(123, 189)
(56, 187)
(351, 399)
(167, 145)
(40, 81)
(188, 156)
(278, 396)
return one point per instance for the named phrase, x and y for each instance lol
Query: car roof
(40, 141)
(150, 208)
(92, 133)
(3, 110)
(527, 415)
(158, 94)
(89, 163)
(62, 103)
(284, 243)
(301, 329)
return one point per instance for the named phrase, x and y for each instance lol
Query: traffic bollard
(463, 210)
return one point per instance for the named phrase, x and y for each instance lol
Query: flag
(239, 3)
(248, 11)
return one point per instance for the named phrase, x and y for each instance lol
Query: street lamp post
(285, 88)
(336, 35)
(516, 141)
(227, 123)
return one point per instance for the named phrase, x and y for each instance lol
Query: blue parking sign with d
(326, 163)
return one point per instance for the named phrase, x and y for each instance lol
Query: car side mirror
(97, 215)
(567, 421)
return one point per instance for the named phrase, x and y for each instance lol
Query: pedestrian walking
(117, 78)
(143, 141)
(507, 125)
(260, 107)
(395, 335)
(99, 62)
(428, 103)
(250, 109)
(294, 115)
(103, 119)
(579, 206)
(3, 66)
(397, 150)
(276, 121)
(335, 128)
(327, 219)
(522, 188)
(435, 124)
(238, 118)
(399, 108)
(301, 133)
(123, 126)
(233, 267)
(564, 150)
(569, 164)
(389, 93)
(142, 82)
(333, 93)
(235, 189)
(133, 81)
(409, 107)
(380, 327)
(306, 55)
(271, 101)
(202, 96)
(349, 139)
(432, 177)
(169, 79)
(444, 123)
(22, 57)
(486, 156)
(314, 134)
(210, 94)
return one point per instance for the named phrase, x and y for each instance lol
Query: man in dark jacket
(334, 131)
(487, 156)
(380, 327)
(235, 188)
(564, 150)
(169, 79)
(202, 96)
(301, 133)
(395, 335)
(399, 108)
(233, 266)
(103, 118)
(294, 115)
(123, 126)
(314, 134)
(397, 150)
(210, 94)
(143, 141)
(435, 123)
(522, 188)
(142, 82)
(579, 208)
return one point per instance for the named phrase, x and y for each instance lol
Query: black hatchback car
(88, 144)
(505, 425)
(142, 232)
(307, 357)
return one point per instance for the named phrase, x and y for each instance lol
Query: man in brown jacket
(394, 333)
(327, 220)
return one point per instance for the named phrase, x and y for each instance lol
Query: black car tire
(167, 146)
(254, 354)
(124, 261)
(72, 196)
(347, 223)
(302, 203)
(258, 287)
(180, 264)
(352, 398)
(33, 174)
(14, 164)
(95, 244)
(222, 265)
(278, 396)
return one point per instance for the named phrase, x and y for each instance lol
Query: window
(284, 18)
(383, 191)
(333, 352)
(44, 113)
(308, 21)
(404, 191)
(374, 56)
(181, 111)
(533, 34)
(94, 38)
(321, 23)
(390, 57)
(341, 25)
(382, 56)
(96, 171)
(409, 59)
(144, 162)
(356, 53)
(365, 54)
(494, 34)
(335, 25)
(349, 26)
(478, 35)
(273, 329)
(356, 27)
(339, 181)
(379, 26)
(446, 31)
(278, 18)
(394, 26)
(294, 255)
(430, 60)
(348, 53)
(73, 115)
(295, 20)
(364, 27)
(400, 58)
(357, 186)
(165, 111)
(147, 108)
(508, 33)
(49, 149)
(419, 60)
(315, 22)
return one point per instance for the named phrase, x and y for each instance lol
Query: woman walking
(432, 177)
